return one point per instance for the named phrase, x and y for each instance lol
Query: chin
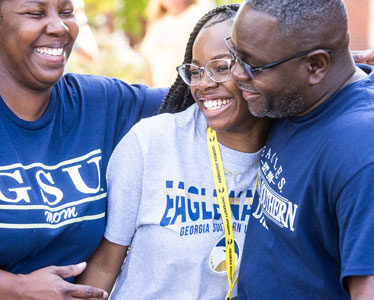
(53, 77)
(254, 110)
(217, 126)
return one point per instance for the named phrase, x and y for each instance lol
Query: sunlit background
(112, 31)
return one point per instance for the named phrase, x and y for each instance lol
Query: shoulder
(94, 89)
(93, 84)
(165, 125)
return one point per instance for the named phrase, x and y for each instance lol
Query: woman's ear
(319, 63)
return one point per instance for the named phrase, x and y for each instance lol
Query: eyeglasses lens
(217, 70)
(236, 58)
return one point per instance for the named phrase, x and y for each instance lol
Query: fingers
(71, 270)
(76, 291)
(85, 291)
(364, 56)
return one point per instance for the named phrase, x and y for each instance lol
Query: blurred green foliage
(128, 15)
(118, 26)
(222, 2)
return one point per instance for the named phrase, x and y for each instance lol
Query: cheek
(193, 91)
(15, 43)
(233, 88)
(269, 85)
(73, 29)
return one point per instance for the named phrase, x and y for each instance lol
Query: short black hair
(313, 23)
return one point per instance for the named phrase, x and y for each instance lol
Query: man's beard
(286, 105)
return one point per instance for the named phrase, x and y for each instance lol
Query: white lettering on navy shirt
(272, 204)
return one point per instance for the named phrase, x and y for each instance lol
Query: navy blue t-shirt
(52, 171)
(313, 214)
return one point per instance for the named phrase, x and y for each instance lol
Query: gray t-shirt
(162, 202)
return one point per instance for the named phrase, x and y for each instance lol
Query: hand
(48, 284)
(363, 57)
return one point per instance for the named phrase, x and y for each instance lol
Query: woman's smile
(216, 104)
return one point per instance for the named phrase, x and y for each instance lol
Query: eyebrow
(43, 2)
(223, 55)
(240, 52)
(245, 56)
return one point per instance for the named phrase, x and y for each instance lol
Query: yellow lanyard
(224, 205)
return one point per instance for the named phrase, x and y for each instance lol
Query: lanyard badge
(224, 205)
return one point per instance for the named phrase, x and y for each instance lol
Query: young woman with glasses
(163, 212)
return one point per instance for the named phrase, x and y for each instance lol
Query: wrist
(11, 285)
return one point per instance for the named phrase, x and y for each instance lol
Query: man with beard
(311, 235)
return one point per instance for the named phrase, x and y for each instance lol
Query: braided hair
(179, 97)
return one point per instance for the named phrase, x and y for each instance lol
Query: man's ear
(319, 63)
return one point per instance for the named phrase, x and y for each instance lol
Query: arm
(363, 57)
(361, 287)
(124, 190)
(356, 228)
(46, 284)
(104, 265)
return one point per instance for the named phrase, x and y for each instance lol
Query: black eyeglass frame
(230, 63)
(250, 69)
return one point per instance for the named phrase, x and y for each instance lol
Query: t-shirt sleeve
(135, 102)
(153, 100)
(124, 178)
(355, 212)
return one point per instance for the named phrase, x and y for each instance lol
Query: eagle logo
(217, 260)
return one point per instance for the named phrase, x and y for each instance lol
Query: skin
(363, 57)
(361, 287)
(261, 93)
(235, 126)
(27, 76)
(294, 88)
(175, 7)
(315, 77)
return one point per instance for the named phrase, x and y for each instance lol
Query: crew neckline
(43, 121)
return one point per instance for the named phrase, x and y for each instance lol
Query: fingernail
(81, 264)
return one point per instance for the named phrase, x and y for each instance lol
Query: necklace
(234, 173)
(229, 172)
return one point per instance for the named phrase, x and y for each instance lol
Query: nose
(56, 26)
(239, 73)
(205, 81)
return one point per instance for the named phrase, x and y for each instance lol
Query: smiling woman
(37, 37)
(162, 196)
(57, 133)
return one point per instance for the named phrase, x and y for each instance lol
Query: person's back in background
(169, 26)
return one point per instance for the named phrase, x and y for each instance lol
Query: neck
(249, 139)
(25, 103)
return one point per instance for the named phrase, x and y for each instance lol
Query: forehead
(211, 39)
(20, 3)
(255, 32)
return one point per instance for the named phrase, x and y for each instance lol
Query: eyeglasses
(218, 70)
(251, 70)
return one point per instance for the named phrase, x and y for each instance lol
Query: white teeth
(215, 104)
(50, 51)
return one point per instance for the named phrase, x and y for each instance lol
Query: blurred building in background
(109, 45)
(169, 25)
(361, 23)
